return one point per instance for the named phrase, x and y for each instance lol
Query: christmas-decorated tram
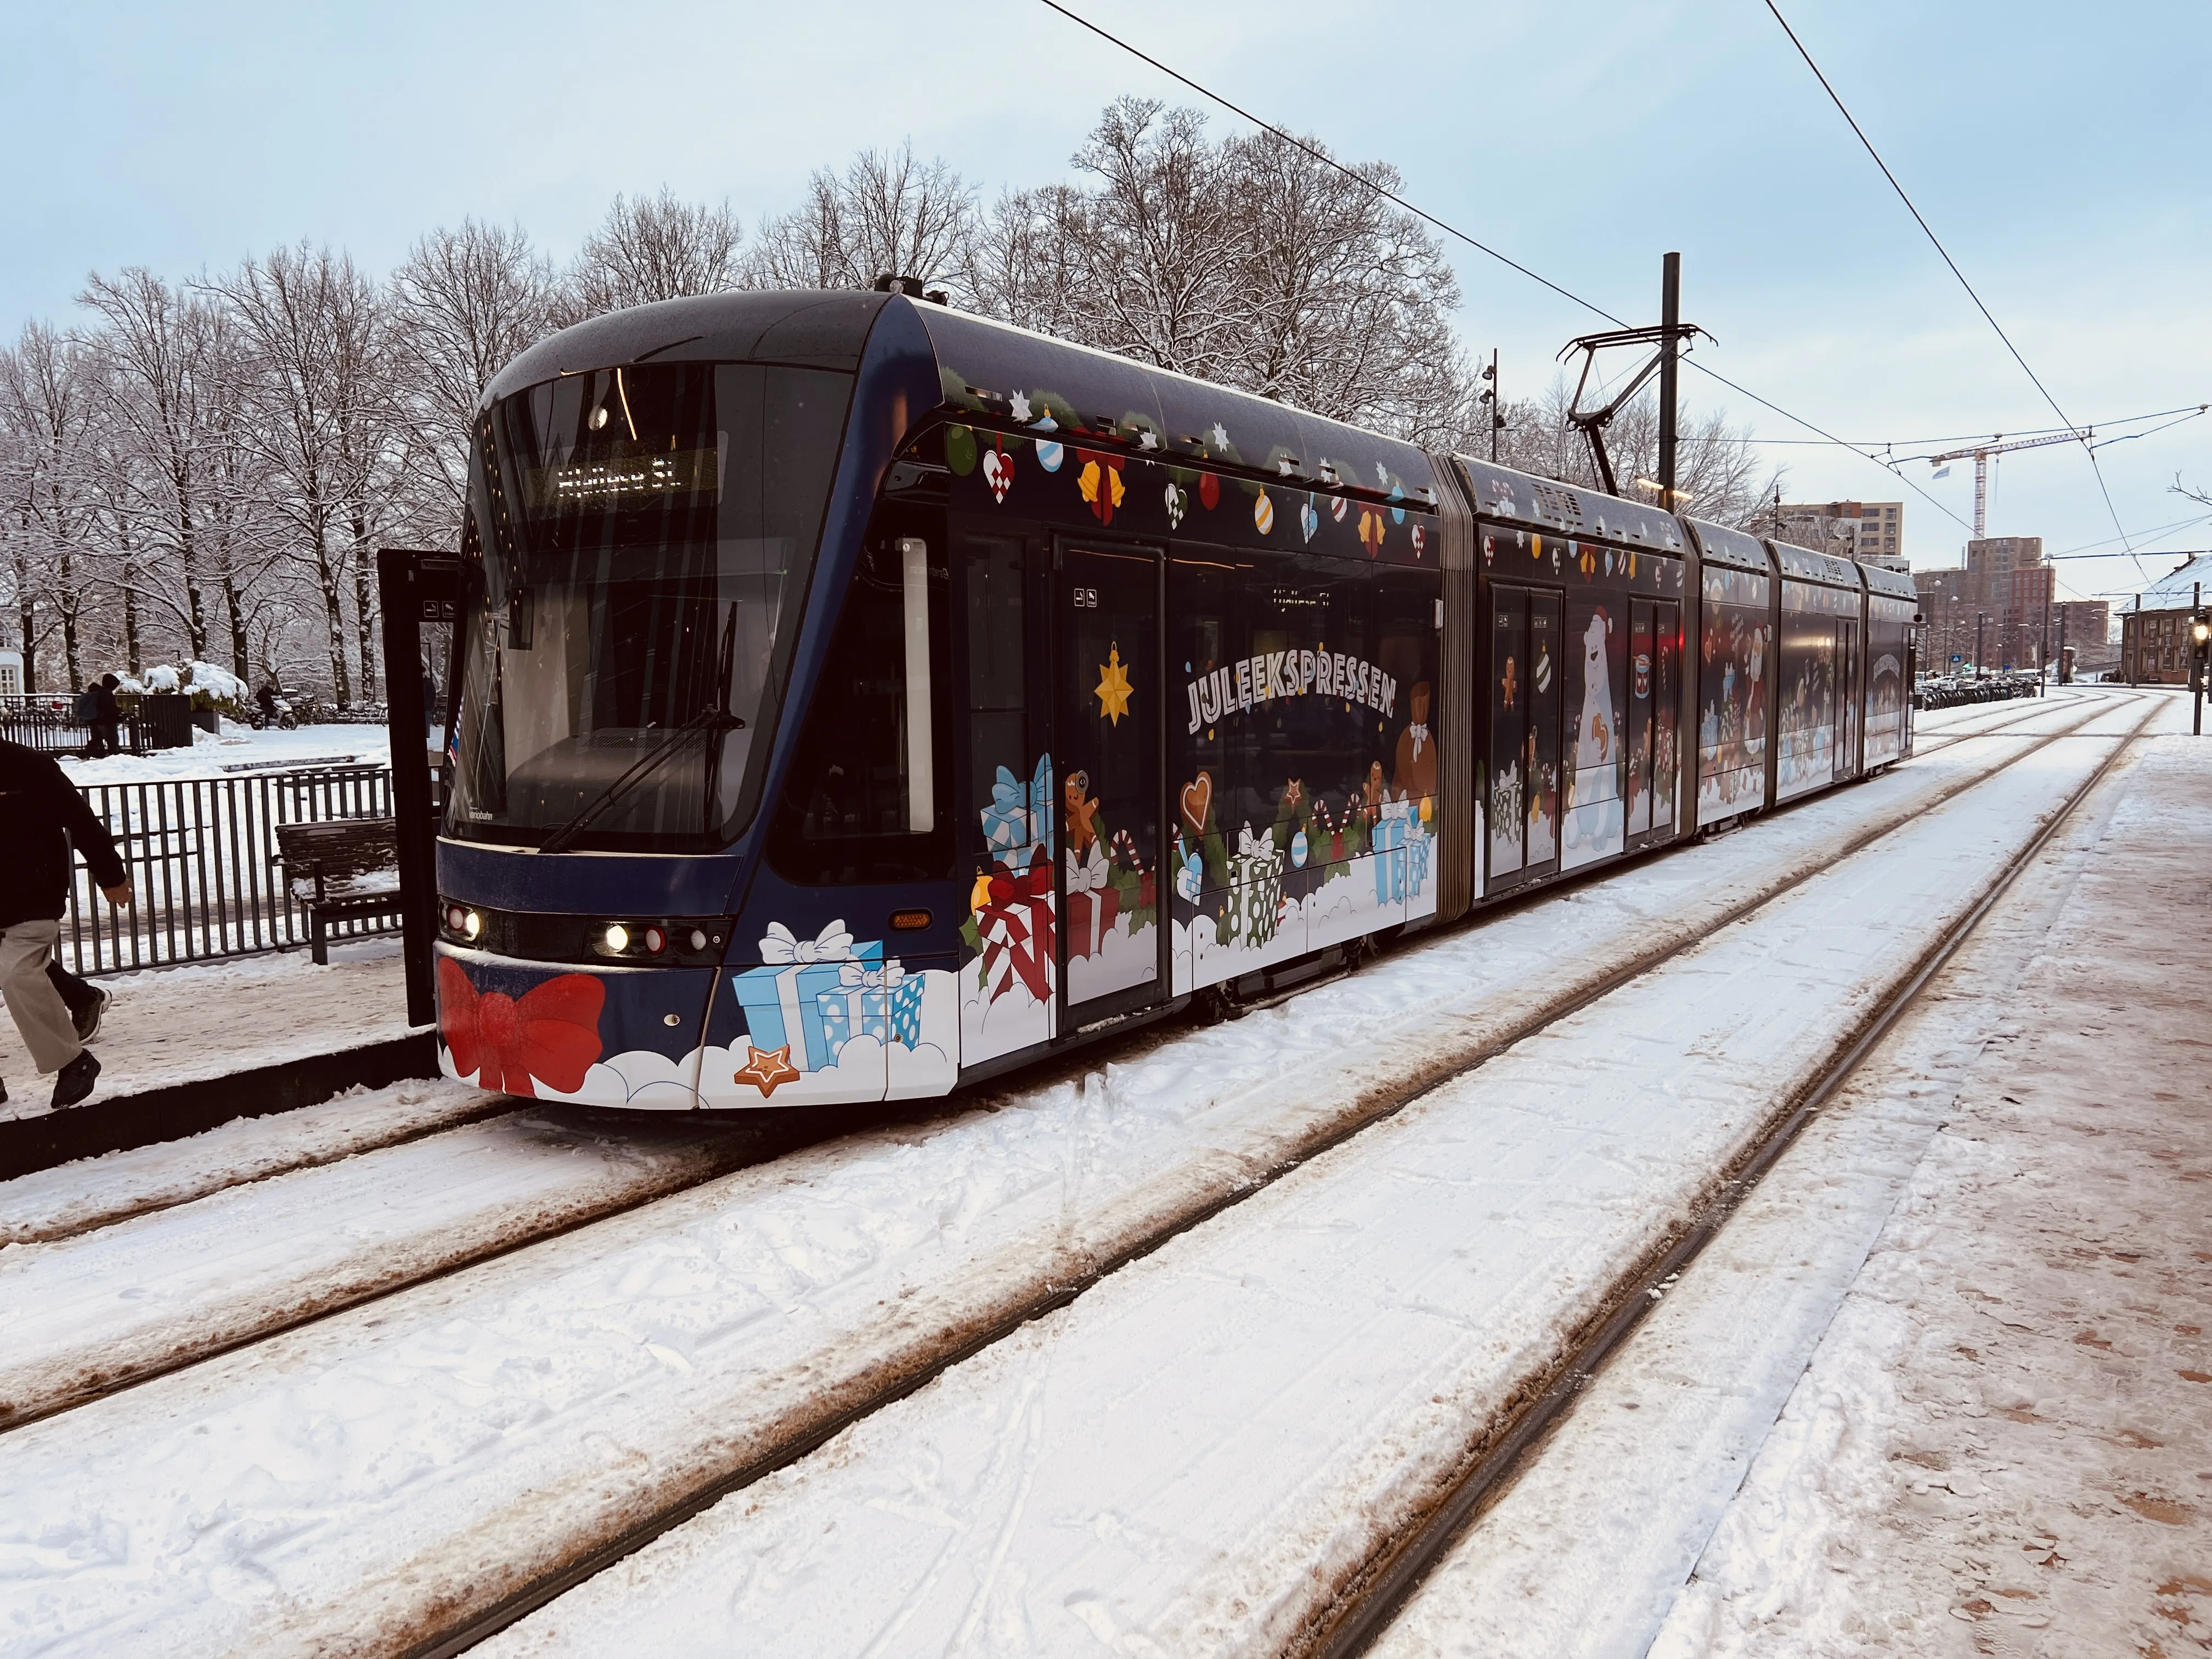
(853, 697)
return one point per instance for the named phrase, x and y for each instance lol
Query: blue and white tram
(854, 698)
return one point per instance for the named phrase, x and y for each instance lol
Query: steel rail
(465, 1632)
(1388, 1583)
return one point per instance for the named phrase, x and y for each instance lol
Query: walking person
(41, 815)
(106, 717)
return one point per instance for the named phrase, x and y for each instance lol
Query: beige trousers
(39, 1012)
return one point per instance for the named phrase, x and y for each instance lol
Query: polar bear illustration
(1594, 826)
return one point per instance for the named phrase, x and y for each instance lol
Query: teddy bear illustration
(1594, 823)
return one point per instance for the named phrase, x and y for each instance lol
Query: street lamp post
(2200, 659)
(1980, 616)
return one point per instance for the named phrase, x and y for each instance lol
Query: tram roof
(984, 368)
(812, 329)
(1733, 548)
(1802, 564)
(1502, 493)
(1894, 583)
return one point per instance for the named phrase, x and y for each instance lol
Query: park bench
(340, 870)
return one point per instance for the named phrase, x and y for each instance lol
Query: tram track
(1623, 1312)
(132, 1346)
(1936, 742)
(894, 1376)
(1429, 1262)
(1361, 1617)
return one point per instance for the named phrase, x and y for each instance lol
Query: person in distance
(41, 814)
(106, 718)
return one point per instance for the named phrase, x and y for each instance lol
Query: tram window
(998, 728)
(635, 537)
(848, 811)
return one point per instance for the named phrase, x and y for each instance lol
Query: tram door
(1666, 713)
(1106, 760)
(1525, 678)
(1640, 723)
(1850, 705)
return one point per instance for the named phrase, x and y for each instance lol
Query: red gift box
(1016, 927)
(1090, 915)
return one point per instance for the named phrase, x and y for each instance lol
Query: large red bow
(1016, 927)
(551, 1033)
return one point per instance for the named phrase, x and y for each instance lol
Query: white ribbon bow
(779, 949)
(1089, 876)
(1261, 847)
(1398, 808)
(1420, 735)
(856, 976)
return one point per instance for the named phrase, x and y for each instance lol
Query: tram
(854, 698)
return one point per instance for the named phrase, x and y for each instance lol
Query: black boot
(76, 1079)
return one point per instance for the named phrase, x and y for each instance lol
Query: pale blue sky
(2059, 149)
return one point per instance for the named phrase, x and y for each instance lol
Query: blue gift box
(874, 1003)
(1387, 842)
(783, 1004)
(1019, 820)
(1417, 863)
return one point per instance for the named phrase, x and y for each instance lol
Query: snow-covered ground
(97, 1192)
(169, 1025)
(1198, 1452)
(1587, 1554)
(2003, 1443)
(88, 1313)
(386, 1466)
(240, 746)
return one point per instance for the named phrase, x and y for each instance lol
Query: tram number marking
(1086, 598)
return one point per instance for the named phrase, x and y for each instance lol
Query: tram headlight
(616, 939)
(463, 922)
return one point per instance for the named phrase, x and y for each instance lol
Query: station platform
(182, 1049)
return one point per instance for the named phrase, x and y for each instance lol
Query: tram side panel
(1735, 654)
(1304, 768)
(1889, 620)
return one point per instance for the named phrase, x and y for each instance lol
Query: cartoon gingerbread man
(1082, 815)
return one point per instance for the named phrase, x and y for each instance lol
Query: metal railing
(47, 722)
(202, 856)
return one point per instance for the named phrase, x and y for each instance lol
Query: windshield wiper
(707, 719)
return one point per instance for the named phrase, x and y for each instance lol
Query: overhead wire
(1450, 229)
(1454, 231)
(1937, 243)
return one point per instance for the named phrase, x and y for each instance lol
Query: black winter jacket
(41, 813)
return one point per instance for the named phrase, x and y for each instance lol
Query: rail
(1360, 1618)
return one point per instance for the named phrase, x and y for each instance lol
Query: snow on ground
(388, 1465)
(85, 1313)
(2003, 1444)
(1196, 1455)
(1585, 1554)
(169, 1025)
(97, 1192)
(210, 757)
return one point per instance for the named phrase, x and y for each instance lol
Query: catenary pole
(1670, 317)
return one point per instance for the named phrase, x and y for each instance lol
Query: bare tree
(653, 248)
(1253, 262)
(45, 415)
(319, 420)
(885, 213)
(466, 302)
(1718, 474)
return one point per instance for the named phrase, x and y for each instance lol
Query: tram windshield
(637, 537)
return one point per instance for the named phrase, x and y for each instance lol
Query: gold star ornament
(1113, 688)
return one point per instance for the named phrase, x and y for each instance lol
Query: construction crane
(1982, 454)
